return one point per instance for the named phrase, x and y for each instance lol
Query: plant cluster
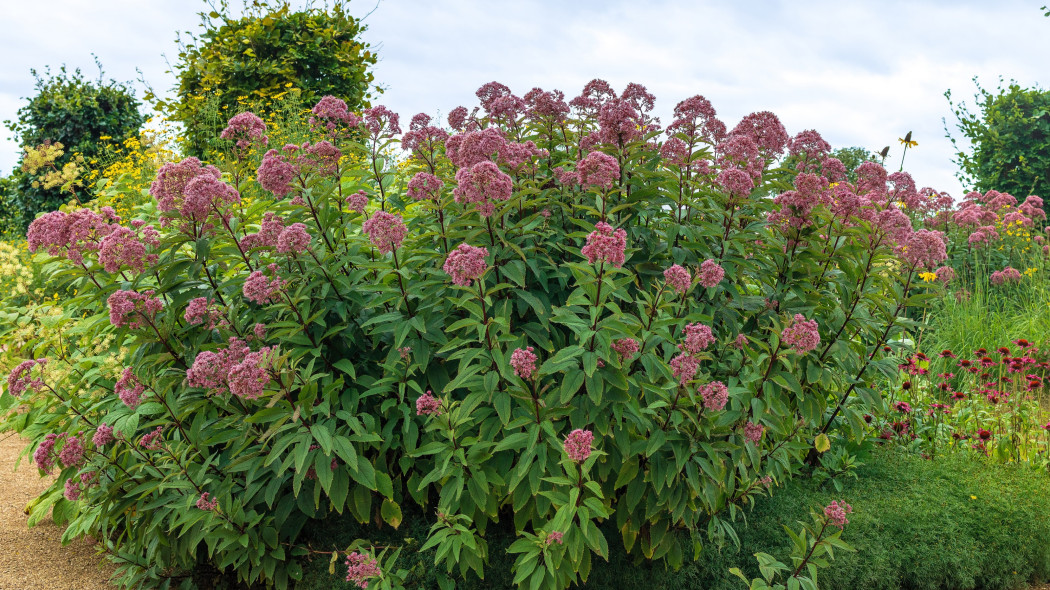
(555, 314)
(262, 55)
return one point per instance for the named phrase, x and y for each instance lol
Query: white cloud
(860, 73)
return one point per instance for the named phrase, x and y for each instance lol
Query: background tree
(75, 112)
(269, 51)
(1008, 139)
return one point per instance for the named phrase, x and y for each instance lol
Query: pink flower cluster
(606, 244)
(695, 119)
(578, 445)
(598, 170)
(678, 278)
(133, 309)
(483, 184)
(358, 201)
(74, 486)
(711, 273)
(333, 115)
(234, 369)
(427, 404)
(1007, 275)
(206, 502)
(836, 513)
(44, 455)
(129, 389)
(466, 264)
(244, 129)
(294, 239)
(801, 334)
(424, 186)
(922, 248)
(21, 380)
(385, 230)
(523, 361)
(124, 247)
(715, 395)
(766, 130)
(361, 569)
(153, 440)
(269, 231)
(169, 187)
(103, 435)
(262, 289)
(684, 367)
(202, 310)
(753, 432)
(626, 348)
(71, 234)
(276, 173)
(423, 139)
(697, 338)
(72, 453)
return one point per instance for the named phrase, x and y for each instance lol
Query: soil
(34, 558)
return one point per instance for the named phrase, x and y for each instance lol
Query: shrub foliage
(555, 316)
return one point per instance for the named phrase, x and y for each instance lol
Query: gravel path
(34, 558)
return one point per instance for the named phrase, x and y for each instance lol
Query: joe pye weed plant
(559, 315)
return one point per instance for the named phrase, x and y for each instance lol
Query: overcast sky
(860, 73)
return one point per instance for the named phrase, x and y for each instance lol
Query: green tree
(71, 110)
(1007, 140)
(268, 51)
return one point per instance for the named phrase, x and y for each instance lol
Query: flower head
(133, 309)
(358, 201)
(103, 435)
(361, 568)
(715, 395)
(836, 513)
(385, 230)
(626, 348)
(598, 170)
(578, 445)
(483, 184)
(697, 338)
(753, 432)
(711, 273)
(244, 129)
(801, 334)
(684, 367)
(606, 244)
(466, 264)
(128, 389)
(424, 186)
(20, 379)
(206, 502)
(678, 278)
(262, 289)
(523, 360)
(427, 404)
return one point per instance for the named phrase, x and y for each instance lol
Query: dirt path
(34, 558)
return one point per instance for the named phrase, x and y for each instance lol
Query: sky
(861, 73)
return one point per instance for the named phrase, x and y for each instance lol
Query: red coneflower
(947, 354)
(984, 434)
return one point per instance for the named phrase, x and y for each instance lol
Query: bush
(1008, 140)
(79, 115)
(238, 62)
(465, 334)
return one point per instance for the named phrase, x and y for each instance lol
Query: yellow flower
(928, 277)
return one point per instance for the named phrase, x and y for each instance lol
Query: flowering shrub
(986, 402)
(560, 315)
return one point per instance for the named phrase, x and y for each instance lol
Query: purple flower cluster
(753, 432)
(836, 513)
(71, 234)
(697, 338)
(44, 455)
(606, 244)
(483, 184)
(152, 441)
(234, 369)
(385, 230)
(276, 173)
(20, 379)
(1007, 275)
(578, 445)
(132, 309)
(801, 334)
(129, 389)
(103, 435)
(72, 454)
(466, 264)
(626, 348)
(245, 129)
(425, 187)
(523, 361)
(598, 170)
(202, 310)
(361, 569)
(715, 395)
(262, 289)
(678, 278)
(358, 201)
(123, 247)
(684, 367)
(206, 502)
(427, 404)
(711, 273)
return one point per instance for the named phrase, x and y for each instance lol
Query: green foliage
(318, 413)
(242, 62)
(1007, 140)
(75, 112)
